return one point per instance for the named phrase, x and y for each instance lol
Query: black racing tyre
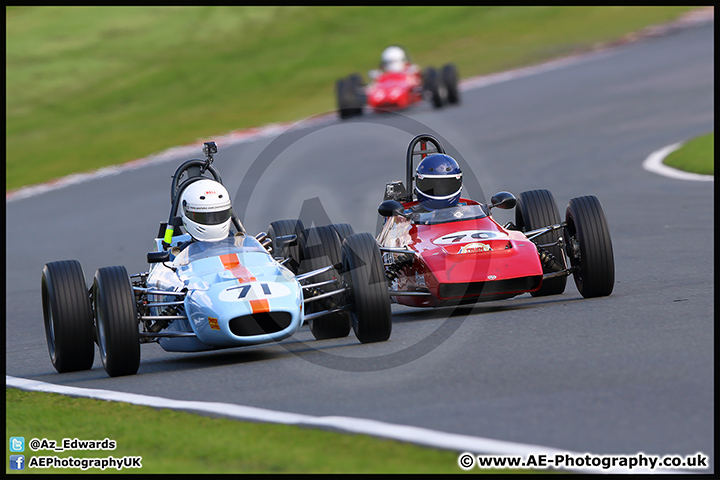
(116, 321)
(449, 76)
(281, 228)
(343, 230)
(364, 274)
(589, 247)
(342, 107)
(320, 247)
(432, 83)
(356, 93)
(68, 316)
(537, 209)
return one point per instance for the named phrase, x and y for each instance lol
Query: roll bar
(196, 170)
(423, 139)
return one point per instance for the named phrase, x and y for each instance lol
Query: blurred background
(88, 87)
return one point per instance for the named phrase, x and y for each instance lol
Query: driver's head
(206, 210)
(393, 59)
(438, 182)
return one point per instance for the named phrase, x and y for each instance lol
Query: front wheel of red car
(116, 321)
(589, 247)
(364, 275)
(355, 87)
(344, 110)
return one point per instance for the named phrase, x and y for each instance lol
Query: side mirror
(390, 208)
(286, 241)
(504, 200)
(158, 257)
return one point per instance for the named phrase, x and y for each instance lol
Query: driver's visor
(439, 185)
(209, 218)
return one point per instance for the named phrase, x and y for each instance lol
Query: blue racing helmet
(438, 181)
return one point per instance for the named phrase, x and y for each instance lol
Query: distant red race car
(461, 255)
(396, 90)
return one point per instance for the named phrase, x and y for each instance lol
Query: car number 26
(466, 236)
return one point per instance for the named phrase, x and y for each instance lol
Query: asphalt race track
(628, 373)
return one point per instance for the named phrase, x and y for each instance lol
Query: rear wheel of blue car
(67, 316)
(589, 247)
(320, 247)
(116, 321)
(282, 228)
(343, 230)
(537, 209)
(364, 275)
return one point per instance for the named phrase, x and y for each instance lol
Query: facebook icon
(17, 462)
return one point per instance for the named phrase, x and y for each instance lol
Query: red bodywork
(464, 261)
(395, 90)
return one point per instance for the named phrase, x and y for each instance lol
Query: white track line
(694, 17)
(654, 163)
(403, 433)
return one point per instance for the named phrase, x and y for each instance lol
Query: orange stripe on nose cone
(231, 263)
(260, 306)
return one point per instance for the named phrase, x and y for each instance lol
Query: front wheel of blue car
(116, 321)
(68, 316)
(368, 291)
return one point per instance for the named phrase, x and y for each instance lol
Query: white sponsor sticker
(467, 236)
(253, 291)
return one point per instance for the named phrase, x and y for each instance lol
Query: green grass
(94, 86)
(178, 442)
(696, 155)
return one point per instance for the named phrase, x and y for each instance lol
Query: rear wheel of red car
(449, 76)
(116, 321)
(320, 247)
(432, 84)
(67, 316)
(537, 209)
(364, 274)
(589, 247)
(282, 228)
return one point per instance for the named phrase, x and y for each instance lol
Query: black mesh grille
(449, 290)
(260, 323)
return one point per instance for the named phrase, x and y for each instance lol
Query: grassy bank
(696, 155)
(183, 443)
(94, 86)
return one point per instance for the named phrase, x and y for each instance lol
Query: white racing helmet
(206, 210)
(393, 59)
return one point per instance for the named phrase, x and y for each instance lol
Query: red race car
(398, 84)
(441, 249)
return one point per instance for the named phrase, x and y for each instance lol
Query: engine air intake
(260, 323)
(449, 290)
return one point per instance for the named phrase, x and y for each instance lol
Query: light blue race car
(206, 295)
